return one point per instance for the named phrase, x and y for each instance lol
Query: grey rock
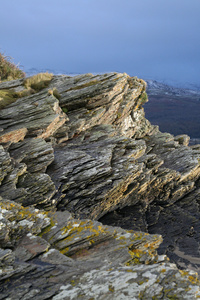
(38, 115)
(11, 84)
(17, 221)
(23, 172)
(6, 258)
(5, 163)
(183, 139)
(101, 178)
(35, 153)
(30, 246)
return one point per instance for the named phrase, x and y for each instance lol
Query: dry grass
(8, 70)
(38, 82)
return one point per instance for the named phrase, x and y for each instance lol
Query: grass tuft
(38, 82)
(8, 70)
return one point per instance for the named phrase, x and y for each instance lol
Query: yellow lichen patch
(163, 271)
(130, 271)
(143, 281)
(192, 278)
(151, 245)
(136, 255)
(111, 288)
(111, 269)
(25, 220)
(20, 212)
(184, 273)
(78, 227)
(138, 235)
(10, 206)
(25, 213)
(72, 227)
(158, 280)
(172, 296)
(73, 282)
(39, 81)
(47, 228)
(64, 250)
(79, 238)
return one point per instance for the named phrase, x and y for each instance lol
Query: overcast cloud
(148, 38)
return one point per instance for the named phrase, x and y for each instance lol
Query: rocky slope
(76, 151)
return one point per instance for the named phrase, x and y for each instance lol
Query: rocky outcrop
(76, 151)
(52, 255)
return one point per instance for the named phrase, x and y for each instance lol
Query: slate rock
(77, 152)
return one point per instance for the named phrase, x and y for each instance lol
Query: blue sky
(153, 39)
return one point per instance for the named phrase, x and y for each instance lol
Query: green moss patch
(6, 97)
(10, 96)
(143, 98)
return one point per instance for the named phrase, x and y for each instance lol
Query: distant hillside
(175, 110)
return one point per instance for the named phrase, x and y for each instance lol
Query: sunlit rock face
(77, 152)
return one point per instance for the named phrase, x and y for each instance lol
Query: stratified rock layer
(75, 150)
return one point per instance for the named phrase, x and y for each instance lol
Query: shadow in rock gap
(178, 224)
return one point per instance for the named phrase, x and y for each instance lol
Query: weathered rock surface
(75, 150)
(73, 259)
(37, 115)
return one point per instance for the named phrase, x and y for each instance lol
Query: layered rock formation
(76, 151)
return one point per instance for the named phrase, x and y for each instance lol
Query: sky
(150, 39)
